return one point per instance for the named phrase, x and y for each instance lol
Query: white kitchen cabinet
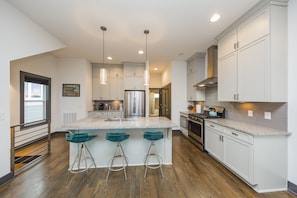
(99, 91)
(113, 90)
(255, 159)
(232, 148)
(195, 74)
(238, 155)
(227, 81)
(214, 141)
(116, 88)
(134, 76)
(252, 63)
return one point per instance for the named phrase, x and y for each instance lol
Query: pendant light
(146, 70)
(103, 71)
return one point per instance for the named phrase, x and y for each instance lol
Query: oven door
(196, 131)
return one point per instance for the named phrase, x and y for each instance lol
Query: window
(35, 99)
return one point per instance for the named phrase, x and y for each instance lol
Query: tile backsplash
(239, 111)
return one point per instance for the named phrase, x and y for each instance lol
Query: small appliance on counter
(196, 123)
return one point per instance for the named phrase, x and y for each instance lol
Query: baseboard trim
(6, 178)
(292, 187)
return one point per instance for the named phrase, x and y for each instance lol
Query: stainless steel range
(196, 123)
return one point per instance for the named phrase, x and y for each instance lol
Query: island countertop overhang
(137, 123)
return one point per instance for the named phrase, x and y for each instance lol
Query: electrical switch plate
(267, 115)
(250, 113)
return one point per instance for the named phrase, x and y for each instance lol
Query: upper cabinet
(195, 74)
(134, 76)
(113, 90)
(252, 63)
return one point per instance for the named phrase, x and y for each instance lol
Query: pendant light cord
(103, 30)
(146, 32)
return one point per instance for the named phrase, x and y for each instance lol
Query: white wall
(19, 37)
(292, 96)
(178, 90)
(74, 71)
(166, 76)
(155, 80)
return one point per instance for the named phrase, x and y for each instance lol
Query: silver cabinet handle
(234, 134)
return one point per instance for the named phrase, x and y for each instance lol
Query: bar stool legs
(153, 136)
(118, 154)
(83, 155)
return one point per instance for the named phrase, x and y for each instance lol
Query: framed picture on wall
(71, 90)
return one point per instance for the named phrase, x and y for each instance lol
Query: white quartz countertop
(250, 129)
(128, 123)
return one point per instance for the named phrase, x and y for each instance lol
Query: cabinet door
(134, 83)
(227, 44)
(254, 72)
(254, 28)
(227, 78)
(99, 92)
(213, 143)
(116, 88)
(238, 156)
(115, 70)
(134, 69)
(195, 74)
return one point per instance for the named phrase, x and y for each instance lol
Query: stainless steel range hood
(212, 68)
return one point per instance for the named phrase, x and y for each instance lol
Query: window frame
(34, 78)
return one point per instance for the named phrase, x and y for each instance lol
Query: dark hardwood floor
(193, 174)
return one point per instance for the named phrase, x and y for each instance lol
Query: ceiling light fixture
(103, 71)
(155, 68)
(146, 70)
(140, 52)
(215, 18)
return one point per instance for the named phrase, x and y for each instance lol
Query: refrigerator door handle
(134, 105)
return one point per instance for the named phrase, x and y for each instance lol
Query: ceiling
(178, 28)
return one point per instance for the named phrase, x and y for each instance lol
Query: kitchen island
(135, 147)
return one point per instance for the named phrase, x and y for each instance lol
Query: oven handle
(194, 121)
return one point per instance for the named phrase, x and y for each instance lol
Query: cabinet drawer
(239, 135)
(214, 126)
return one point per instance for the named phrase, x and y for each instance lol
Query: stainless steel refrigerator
(134, 103)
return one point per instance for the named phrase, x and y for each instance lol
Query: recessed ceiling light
(109, 58)
(215, 18)
(140, 52)
(155, 68)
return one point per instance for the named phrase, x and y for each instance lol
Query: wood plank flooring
(194, 174)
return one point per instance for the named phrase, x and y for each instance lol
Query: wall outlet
(250, 113)
(267, 115)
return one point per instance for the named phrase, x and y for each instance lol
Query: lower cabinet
(239, 157)
(260, 161)
(214, 141)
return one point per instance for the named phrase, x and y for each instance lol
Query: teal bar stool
(118, 154)
(83, 155)
(152, 137)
